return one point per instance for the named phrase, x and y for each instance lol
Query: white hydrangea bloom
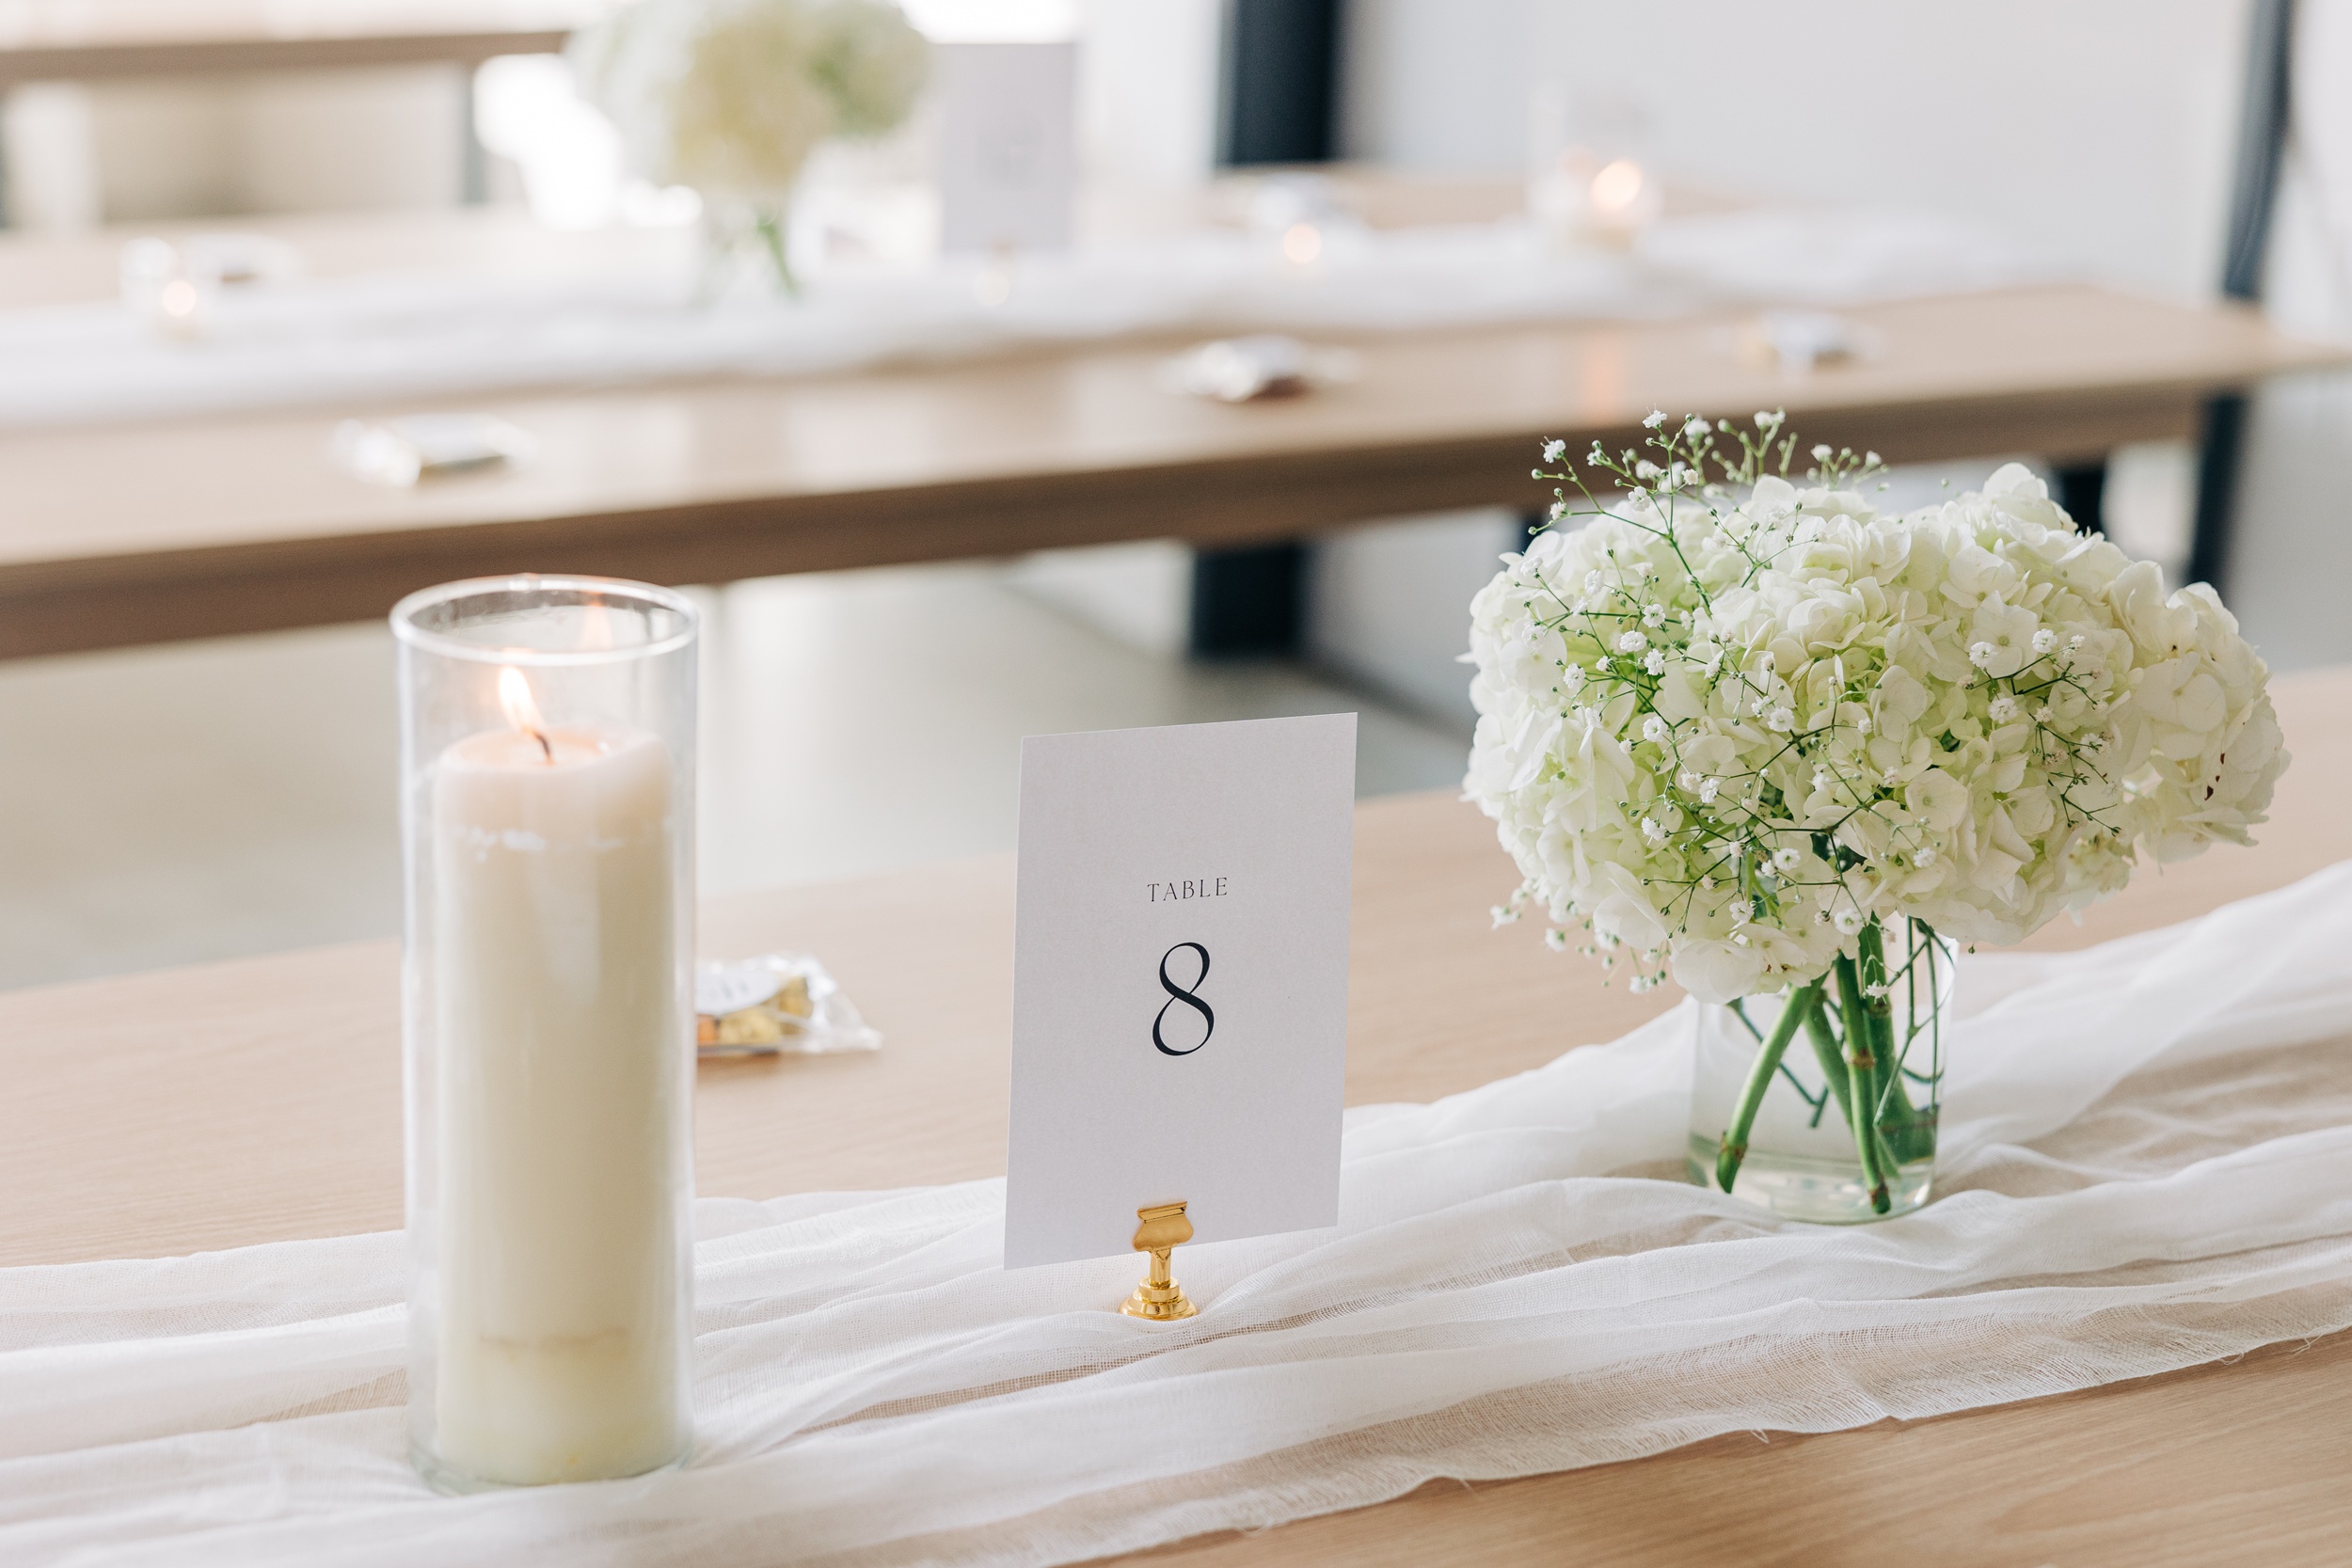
(1973, 716)
(873, 64)
(731, 96)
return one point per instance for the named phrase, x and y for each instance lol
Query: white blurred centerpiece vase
(731, 96)
(1819, 1103)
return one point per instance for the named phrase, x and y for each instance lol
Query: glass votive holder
(164, 293)
(1591, 183)
(547, 827)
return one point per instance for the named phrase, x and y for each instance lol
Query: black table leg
(2082, 489)
(2216, 489)
(1248, 601)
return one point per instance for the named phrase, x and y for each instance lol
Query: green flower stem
(1879, 1012)
(1863, 1069)
(1825, 1052)
(1905, 1133)
(1831, 1058)
(771, 229)
(1802, 1005)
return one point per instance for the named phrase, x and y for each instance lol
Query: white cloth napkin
(2147, 1165)
(376, 337)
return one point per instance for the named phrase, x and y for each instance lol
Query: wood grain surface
(146, 532)
(259, 1100)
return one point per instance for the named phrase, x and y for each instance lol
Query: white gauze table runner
(333, 343)
(2147, 1165)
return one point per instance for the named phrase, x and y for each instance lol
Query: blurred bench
(43, 40)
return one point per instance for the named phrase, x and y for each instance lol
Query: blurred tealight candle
(1614, 195)
(992, 285)
(1580, 198)
(162, 291)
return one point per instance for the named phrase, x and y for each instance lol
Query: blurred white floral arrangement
(730, 97)
(1739, 718)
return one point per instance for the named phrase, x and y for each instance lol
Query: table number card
(1008, 150)
(1180, 982)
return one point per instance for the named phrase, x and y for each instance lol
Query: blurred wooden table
(145, 533)
(259, 1100)
(79, 40)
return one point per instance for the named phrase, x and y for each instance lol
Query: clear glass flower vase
(1774, 1099)
(747, 249)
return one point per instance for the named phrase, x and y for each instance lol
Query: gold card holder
(1159, 1299)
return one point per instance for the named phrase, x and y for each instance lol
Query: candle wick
(546, 750)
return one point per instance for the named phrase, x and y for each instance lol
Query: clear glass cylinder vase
(547, 824)
(747, 245)
(1774, 1104)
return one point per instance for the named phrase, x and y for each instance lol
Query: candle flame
(1618, 186)
(522, 711)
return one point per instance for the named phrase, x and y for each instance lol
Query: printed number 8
(1185, 994)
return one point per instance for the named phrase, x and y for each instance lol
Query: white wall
(1147, 90)
(2293, 549)
(1440, 85)
(2099, 130)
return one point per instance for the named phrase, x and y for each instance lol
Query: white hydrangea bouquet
(730, 97)
(1740, 728)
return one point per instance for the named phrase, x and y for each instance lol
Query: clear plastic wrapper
(398, 453)
(777, 1004)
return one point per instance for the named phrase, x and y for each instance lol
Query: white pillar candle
(561, 1114)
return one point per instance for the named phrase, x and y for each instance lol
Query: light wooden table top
(259, 1100)
(145, 533)
(52, 40)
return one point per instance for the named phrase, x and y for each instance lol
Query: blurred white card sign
(1180, 982)
(1008, 155)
